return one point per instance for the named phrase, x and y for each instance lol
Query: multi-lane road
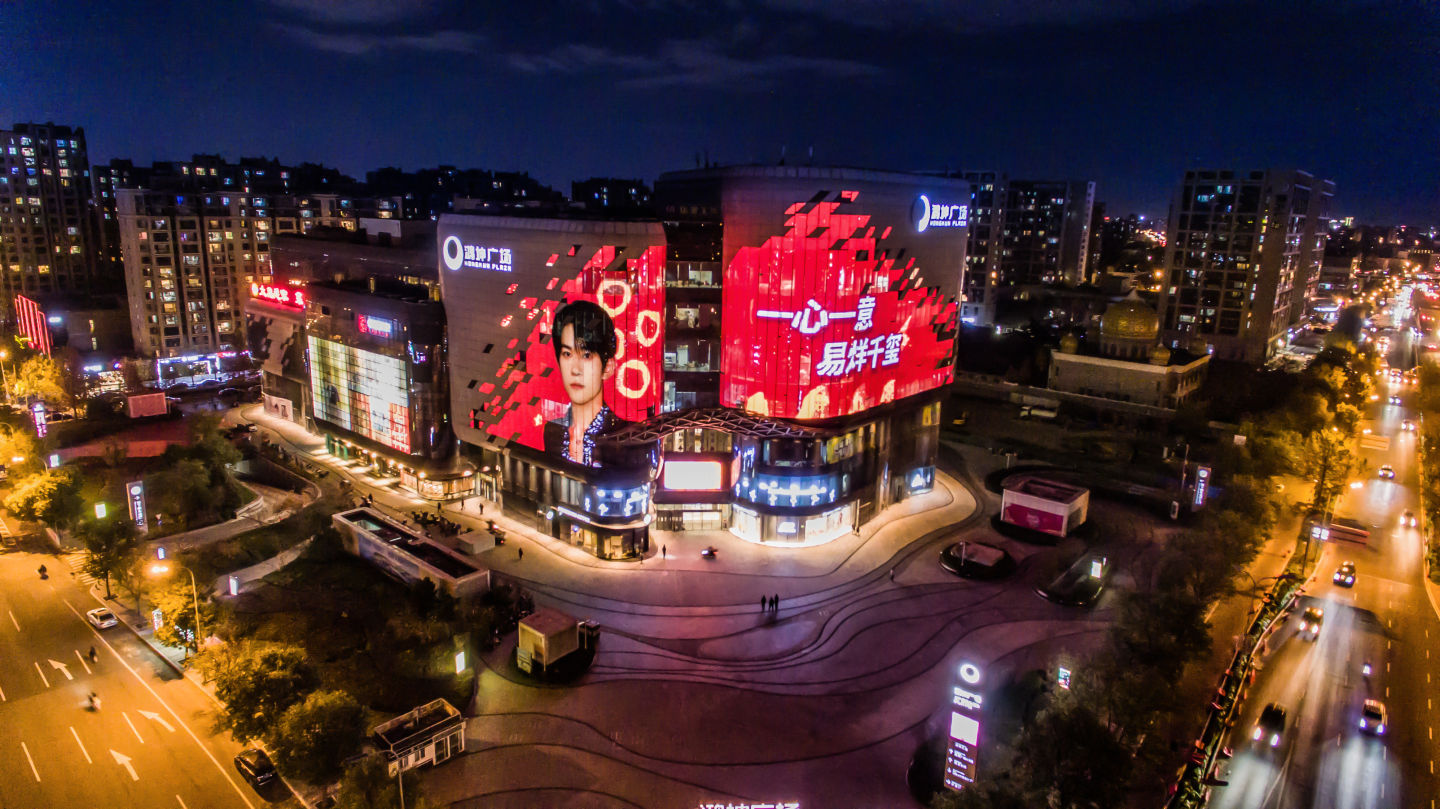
(1324, 758)
(151, 743)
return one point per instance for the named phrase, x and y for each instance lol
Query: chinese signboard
(965, 705)
(281, 296)
(1202, 484)
(135, 493)
(380, 327)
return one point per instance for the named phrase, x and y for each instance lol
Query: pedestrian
(93, 655)
(892, 574)
(764, 603)
(662, 551)
(519, 553)
(775, 602)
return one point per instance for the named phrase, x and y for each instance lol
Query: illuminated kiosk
(772, 354)
(1045, 506)
(377, 383)
(407, 556)
(429, 734)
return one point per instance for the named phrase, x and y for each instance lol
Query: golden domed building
(1129, 364)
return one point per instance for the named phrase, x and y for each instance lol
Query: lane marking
(82, 662)
(124, 761)
(1387, 692)
(132, 727)
(41, 672)
(13, 621)
(223, 772)
(36, 772)
(82, 745)
(155, 717)
(61, 667)
(183, 806)
(2, 695)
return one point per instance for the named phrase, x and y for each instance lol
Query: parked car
(102, 618)
(255, 767)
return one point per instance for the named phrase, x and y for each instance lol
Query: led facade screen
(840, 308)
(693, 476)
(507, 283)
(361, 391)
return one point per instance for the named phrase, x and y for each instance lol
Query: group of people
(770, 603)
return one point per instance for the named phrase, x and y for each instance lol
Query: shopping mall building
(767, 358)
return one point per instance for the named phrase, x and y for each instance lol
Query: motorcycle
(1365, 669)
(708, 552)
(44, 574)
(94, 701)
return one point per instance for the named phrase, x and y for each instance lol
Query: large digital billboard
(556, 328)
(361, 391)
(833, 306)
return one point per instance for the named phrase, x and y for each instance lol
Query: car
(1407, 426)
(1373, 717)
(226, 393)
(1394, 400)
(1345, 574)
(255, 767)
(1270, 728)
(1387, 472)
(102, 618)
(1407, 519)
(1310, 622)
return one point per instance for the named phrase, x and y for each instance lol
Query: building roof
(1130, 319)
(548, 622)
(1052, 490)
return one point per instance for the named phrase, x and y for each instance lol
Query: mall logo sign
(929, 214)
(457, 254)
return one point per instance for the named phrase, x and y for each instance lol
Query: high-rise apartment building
(982, 258)
(46, 227)
(194, 235)
(1046, 232)
(1243, 256)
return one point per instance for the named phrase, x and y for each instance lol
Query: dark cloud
(356, 43)
(359, 11)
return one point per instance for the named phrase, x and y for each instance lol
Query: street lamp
(162, 568)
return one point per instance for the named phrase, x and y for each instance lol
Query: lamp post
(160, 569)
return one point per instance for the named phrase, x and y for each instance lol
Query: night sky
(1128, 93)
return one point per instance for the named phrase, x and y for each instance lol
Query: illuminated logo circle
(607, 286)
(970, 673)
(135, 489)
(453, 252)
(635, 392)
(654, 319)
(922, 216)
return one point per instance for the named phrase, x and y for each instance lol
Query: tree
(368, 785)
(111, 548)
(182, 493)
(19, 443)
(51, 497)
(177, 602)
(316, 735)
(257, 683)
(1325, 458)
(42, 378)
(72, 375)
(1073, 758)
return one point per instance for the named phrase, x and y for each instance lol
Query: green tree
(42, 378)
(368, 785)
(177, 604)
(51, 497)
(314, 736)
(1073, 758)
(182, 494)
(257, 683)
(1325, 459)
(17, 442)
(112, 548)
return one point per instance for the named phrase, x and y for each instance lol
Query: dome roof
(1069, 344)
(1159, 355)
(1130, 319)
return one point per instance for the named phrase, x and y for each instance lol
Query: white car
(102, 618)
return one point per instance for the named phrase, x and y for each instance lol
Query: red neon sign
(284, 296)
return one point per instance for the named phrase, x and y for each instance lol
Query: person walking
(519, 553)
(775, 603)
(764, 603)
(892, 574)
(662, 551)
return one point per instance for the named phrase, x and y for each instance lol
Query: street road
(1324, 759)
(151, 743)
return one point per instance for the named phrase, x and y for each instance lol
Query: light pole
(160, 569)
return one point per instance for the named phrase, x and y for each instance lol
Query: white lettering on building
(457, 254)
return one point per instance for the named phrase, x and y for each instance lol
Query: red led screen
(31, 323)
(824, 320)
(516, 377)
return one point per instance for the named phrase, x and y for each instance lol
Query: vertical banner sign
(38, 413)
(135, 492)
(157, 619)
(1202, 483)
(964, 729)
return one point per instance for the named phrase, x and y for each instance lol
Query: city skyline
(1118, 94)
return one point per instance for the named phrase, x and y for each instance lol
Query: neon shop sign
(844, 356)
(457, 254)
(378, 326)
(929, 214)
(284, 296)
